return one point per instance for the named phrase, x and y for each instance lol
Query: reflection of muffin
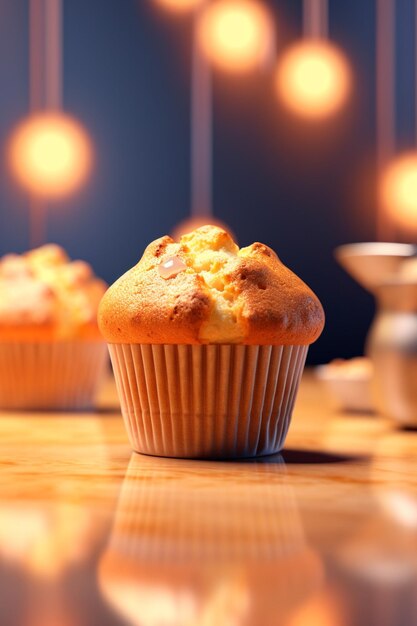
(394, 457)
(44, 542)
(51, 354)
(208, 343)
(375, 568)
(207, 545)
(377, 574)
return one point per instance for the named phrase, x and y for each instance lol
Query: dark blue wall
(303, 190)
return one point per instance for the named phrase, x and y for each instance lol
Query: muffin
(208, 343)
(52, 355)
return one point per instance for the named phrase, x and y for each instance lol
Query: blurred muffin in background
(51, 353)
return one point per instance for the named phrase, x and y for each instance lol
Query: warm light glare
(196, 221)
(321, 610)
(398, 190)
(236, 35)
(50, 154)
(313, 79)
(179, 6)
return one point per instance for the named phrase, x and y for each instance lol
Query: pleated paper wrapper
(207, 401)
(61, 375)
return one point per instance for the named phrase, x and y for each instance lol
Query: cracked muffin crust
(203, 290)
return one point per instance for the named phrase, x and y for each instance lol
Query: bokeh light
(236, 35)
(190, 224)
(179, 6)
(398, 190)
(50, 154)
(313, 79)
(323, 609)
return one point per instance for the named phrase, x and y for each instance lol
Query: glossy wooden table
(324, 535)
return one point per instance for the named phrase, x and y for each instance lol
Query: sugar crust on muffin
(223, 295)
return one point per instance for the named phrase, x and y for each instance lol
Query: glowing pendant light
(179, 6)
(398, 190)
(397, 182)
(236, 35)
(313, 77)
(49, 152)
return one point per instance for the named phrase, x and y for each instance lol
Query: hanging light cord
(201, 129)
(45, 85)
(316, 19)
(385, 101)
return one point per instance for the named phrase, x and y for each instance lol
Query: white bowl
(348, 391)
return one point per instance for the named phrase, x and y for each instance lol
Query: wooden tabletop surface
(323, 535)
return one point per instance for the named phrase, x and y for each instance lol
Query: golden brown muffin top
(205, 289)
(46, 296)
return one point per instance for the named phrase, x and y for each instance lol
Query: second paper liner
(207, 401)
(51, 375)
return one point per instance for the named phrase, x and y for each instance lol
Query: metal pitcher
(392, 338)
(392, 346)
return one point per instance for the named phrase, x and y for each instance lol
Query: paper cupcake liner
(210, 401)
(50, 375)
